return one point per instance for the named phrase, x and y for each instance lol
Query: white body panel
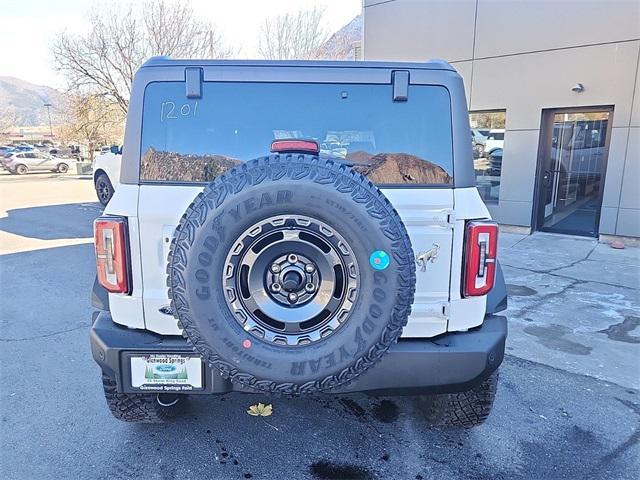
(128, 309)
(434, 219)
(161, 208)
(425, 213)
(464, 313)
(109, 163)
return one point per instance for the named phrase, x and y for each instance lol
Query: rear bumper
(448, 363)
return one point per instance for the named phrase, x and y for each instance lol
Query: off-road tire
(465, 409)
(338, 196)
(104, 188)
(140, 408)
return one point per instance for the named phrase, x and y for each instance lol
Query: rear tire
(140, 408)
(21, 169)
(465, 409)
(104, 189)
(63, 168)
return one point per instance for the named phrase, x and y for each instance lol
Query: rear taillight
(112, 253)
(295, 145)
(481, 246)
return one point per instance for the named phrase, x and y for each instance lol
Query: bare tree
(104, 60)
(293, 36)
(92, 121)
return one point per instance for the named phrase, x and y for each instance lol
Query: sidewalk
(574, 304)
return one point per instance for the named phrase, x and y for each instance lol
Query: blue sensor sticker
(379, 260)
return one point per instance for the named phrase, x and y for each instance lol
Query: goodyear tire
(291, 274)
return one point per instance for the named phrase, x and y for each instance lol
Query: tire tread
(294, 167)
(464, 409)
(141, 408)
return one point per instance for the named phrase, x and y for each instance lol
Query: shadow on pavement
(52, 222)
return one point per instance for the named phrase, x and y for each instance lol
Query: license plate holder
(165, 372)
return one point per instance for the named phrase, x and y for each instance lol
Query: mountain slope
(341, 45)
(22, 102)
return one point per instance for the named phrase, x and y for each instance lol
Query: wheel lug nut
(276, 287)
(309, 287)
(309, 268)
(293, 297)
(293, 258)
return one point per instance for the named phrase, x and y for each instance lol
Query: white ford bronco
(297, 228)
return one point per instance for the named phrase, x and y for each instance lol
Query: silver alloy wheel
(291, 280)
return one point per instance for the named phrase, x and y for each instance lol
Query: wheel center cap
(292, 281)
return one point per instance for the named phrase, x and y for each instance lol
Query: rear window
(392, 143)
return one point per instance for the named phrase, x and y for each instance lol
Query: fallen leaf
(260, 410)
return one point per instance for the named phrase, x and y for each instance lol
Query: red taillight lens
(481, 246)
(112, 259)
(303, 146)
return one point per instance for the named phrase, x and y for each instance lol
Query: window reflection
(487, 139)
(572, 174)
(391, 143)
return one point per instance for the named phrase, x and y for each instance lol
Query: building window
(487, 138)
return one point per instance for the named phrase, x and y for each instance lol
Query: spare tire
(291, 274)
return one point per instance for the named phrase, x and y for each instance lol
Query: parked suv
(494, 141)
(22, 162)
(239, 253)
(106, 173)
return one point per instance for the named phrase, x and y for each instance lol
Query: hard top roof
(177, 62)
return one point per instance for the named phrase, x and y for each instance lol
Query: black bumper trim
(453, 362)
(99, 296)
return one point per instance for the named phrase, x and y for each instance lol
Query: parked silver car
(34, 161)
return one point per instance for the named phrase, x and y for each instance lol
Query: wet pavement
(574, 304)
(566, 406)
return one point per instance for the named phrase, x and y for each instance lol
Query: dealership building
(553, 89)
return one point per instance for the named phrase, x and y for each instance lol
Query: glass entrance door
(573, 160)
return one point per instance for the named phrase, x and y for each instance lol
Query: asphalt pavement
(550, 421)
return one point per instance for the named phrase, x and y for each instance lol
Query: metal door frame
(544, 146)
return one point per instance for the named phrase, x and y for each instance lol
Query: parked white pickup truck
(106, 173)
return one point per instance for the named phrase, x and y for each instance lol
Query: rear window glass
(392, 143)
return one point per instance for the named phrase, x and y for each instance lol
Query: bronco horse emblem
(429, 256)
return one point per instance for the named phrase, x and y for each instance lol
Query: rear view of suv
(297, 228)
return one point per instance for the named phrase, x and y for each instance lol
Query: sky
(29, 27)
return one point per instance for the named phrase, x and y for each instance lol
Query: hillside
(340, 46)
(22, 102)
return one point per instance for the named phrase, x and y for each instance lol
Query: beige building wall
(524, 56)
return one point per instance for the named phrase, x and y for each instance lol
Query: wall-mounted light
(578, 88)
